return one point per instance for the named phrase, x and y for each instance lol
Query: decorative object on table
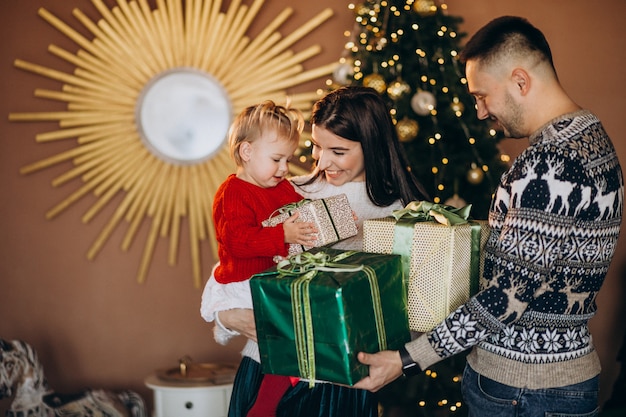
(316, 310)
(192, 389)
(190, 371)
(22, 377)
(442, 250)
(149, 104)
(332, 216)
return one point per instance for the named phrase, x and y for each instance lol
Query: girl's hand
(301, 233)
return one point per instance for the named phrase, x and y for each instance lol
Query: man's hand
(385, 366)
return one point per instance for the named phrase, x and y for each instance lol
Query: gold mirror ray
(132, 44)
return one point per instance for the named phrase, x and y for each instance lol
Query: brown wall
(92, 324)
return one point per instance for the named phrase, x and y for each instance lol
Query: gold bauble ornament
(398, 89)
(475, 175)
(425, 7)
(407, 129)
(455, 201)
(375, 81)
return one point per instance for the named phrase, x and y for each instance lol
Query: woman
(357, 153)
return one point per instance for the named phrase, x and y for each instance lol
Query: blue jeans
(485, 397)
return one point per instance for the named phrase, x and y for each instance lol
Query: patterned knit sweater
(554, 220)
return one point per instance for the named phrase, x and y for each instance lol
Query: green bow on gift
(307, 262)
(288, 208)
(303, 267)
(427, 211)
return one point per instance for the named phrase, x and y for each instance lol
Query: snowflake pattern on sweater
(554, 220)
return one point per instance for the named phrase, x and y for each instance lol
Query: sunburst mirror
(149, 104)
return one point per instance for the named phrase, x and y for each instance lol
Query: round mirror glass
(183, 116)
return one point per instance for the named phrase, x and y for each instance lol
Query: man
(554, 221)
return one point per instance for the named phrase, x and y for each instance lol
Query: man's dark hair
(504, 36)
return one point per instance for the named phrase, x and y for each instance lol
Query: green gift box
(316, 310)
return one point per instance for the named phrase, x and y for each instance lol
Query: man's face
(495, 98)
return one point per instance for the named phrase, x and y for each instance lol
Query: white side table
(189, 399)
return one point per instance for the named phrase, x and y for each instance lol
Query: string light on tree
(457, 106)
(407, 50)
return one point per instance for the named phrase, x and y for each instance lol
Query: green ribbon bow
(424, 211)
(303, 267)
(288, 208)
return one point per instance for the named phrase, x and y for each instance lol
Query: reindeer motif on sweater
(554, 221)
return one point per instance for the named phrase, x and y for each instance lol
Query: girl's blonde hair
(286, 122)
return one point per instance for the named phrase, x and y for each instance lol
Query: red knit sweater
(245, 247)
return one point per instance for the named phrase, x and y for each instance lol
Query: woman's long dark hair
(360, 114)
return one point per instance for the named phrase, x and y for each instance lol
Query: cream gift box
(332, 216)
(444, 260)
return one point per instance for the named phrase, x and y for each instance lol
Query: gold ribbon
(303, 267)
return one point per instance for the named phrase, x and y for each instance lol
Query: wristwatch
(409, 366)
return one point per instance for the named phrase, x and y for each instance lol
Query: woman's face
(341, 160)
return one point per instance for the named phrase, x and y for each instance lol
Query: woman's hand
(240, 320)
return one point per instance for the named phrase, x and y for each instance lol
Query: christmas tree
(407, 50)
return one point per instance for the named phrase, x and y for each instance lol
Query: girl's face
(341, 160)
(266, 160)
